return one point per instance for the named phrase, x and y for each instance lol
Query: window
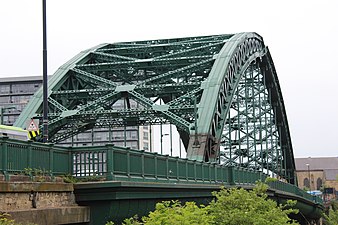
(25, 88)
(4, 99)
(306, 183)
(145, 146)
(145, 135)
(131, 134)
(4, 89)
(118, 135)
(319, 183)
(21, 99)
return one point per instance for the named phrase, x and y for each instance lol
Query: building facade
(318, 174)
(16, 92)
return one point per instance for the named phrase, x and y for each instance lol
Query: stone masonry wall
(41, 201)
(23, 200)
(19, 194)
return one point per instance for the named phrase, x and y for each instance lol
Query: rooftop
(319, 163)
(20, 79)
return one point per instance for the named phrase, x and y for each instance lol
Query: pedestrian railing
(110, 162)
(19, 156)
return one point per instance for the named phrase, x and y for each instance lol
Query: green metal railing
(124, 164)
(289, 188)
(17, 156)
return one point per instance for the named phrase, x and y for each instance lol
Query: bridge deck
(134, 168)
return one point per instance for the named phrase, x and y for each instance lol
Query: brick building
(318, 174)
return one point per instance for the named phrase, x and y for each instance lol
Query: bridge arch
(221, 92)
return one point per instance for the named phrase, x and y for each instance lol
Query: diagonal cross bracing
(220, 91)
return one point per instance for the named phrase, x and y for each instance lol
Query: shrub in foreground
(230, 207)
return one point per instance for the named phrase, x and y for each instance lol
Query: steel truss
(221, 92)
(251, 136)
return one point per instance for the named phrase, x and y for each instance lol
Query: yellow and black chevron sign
(33, 134)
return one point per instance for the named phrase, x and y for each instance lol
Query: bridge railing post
(177, 169)
(142, 165)
(167, 166)
(231, 175)
(155, 165)
(51, 159)
(71, 160)
(128, 162)
(110, 162)
(4, 157)
(29, 153)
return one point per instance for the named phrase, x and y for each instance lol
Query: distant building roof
(20, 79)
(331, 174)
(320, 163)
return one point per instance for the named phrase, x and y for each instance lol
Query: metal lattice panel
(221, 92)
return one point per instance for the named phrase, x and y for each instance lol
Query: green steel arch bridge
(221, 92)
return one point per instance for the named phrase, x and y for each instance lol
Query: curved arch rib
(238, 56)
(195, 79)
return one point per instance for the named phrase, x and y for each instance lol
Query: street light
(2, 111)
(308, 170)
(44, 74)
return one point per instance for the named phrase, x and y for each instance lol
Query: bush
(231, 207)
(238, 206)
(332, 217)
(5, 220)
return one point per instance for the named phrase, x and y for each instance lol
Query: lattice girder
(191, 83)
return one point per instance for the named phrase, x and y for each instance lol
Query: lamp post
(44, 66)
(308, 170)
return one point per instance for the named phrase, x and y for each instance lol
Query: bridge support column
(202, 148)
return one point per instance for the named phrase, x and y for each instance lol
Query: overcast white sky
(302, 36)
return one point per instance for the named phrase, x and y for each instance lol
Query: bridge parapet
(114, 163)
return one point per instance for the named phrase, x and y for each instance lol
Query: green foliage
(91, 178)
(69, 179)
(231, 207)
(132, 221)
(28, 171)
(270, 179)
(332, 217)
(306, 189)
(5, 220)
(40, 175)
(172, 213)
(334, 205)
(36, 172)
(238, 206)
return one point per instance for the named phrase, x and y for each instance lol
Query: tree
(238, 206)
(332, 217)
(231, 207)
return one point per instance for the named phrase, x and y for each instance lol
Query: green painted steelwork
(119, 200)
(221, 92)
(114, 163)
(138, 177)
(16, 156)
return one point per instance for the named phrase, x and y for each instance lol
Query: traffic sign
(32, 126)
